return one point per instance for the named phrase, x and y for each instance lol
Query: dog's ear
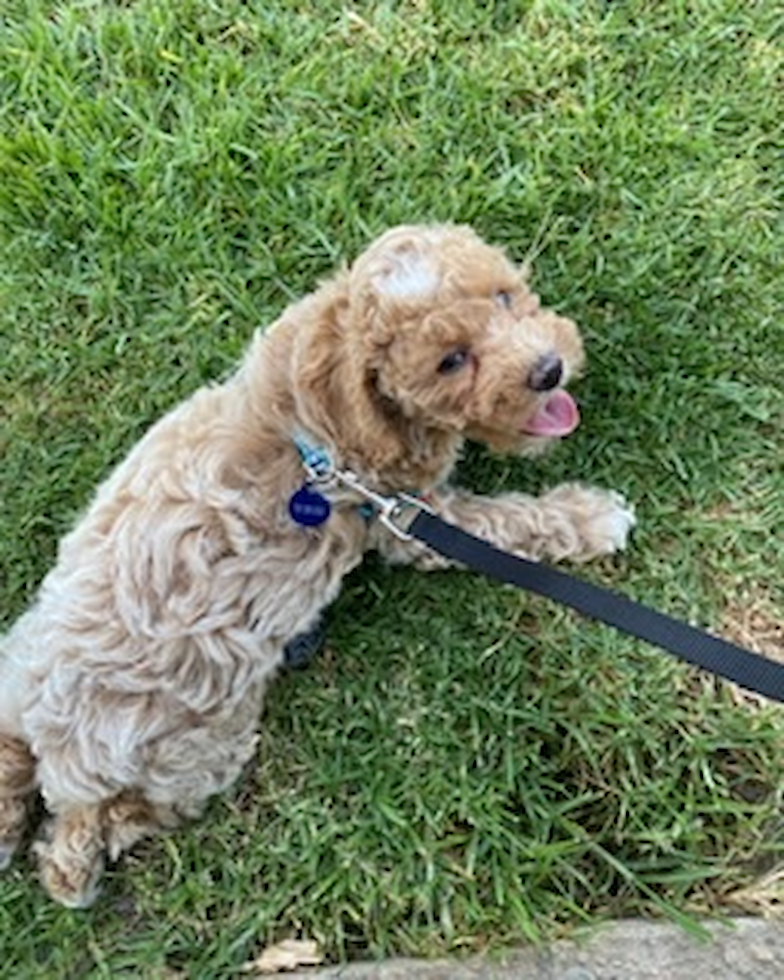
(334, 385)
(341, 347)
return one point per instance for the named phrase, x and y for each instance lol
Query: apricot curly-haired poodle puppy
(131, 691)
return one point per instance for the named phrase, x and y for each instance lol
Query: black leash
(750, 670)
(308, 506)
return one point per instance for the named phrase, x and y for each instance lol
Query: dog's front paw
(612, 521)
(600, 520)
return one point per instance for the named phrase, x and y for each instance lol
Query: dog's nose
(546, 373)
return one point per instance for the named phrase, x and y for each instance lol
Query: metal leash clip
(389, 509)
(397, 506)
(321, 472)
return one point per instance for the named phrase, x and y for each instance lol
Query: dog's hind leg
(129, 817)
(71, 859)
(17, 779)
(78, 839)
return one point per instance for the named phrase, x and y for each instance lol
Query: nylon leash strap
(750, 670)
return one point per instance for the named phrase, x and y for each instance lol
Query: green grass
(465, 766)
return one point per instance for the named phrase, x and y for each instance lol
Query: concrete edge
(631, 949)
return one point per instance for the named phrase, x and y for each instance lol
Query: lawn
(464, 766)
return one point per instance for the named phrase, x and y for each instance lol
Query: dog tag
(309, 508)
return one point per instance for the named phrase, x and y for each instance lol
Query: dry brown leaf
(286, 955)
(764, 897)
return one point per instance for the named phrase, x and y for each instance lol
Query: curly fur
(131, 691)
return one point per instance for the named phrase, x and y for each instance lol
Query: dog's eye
(453, 361)
(503, 298)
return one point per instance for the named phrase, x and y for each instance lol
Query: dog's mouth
(556, 417)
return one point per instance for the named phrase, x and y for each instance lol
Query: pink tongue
(557, 417)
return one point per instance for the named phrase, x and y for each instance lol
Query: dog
(131, 690)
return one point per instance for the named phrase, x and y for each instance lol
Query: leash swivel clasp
(322, 472)
(392, 513)
(389, 509)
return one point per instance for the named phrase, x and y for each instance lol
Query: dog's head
(440, 339)
(454, 338)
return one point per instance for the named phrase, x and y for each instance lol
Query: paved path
(746, 949)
